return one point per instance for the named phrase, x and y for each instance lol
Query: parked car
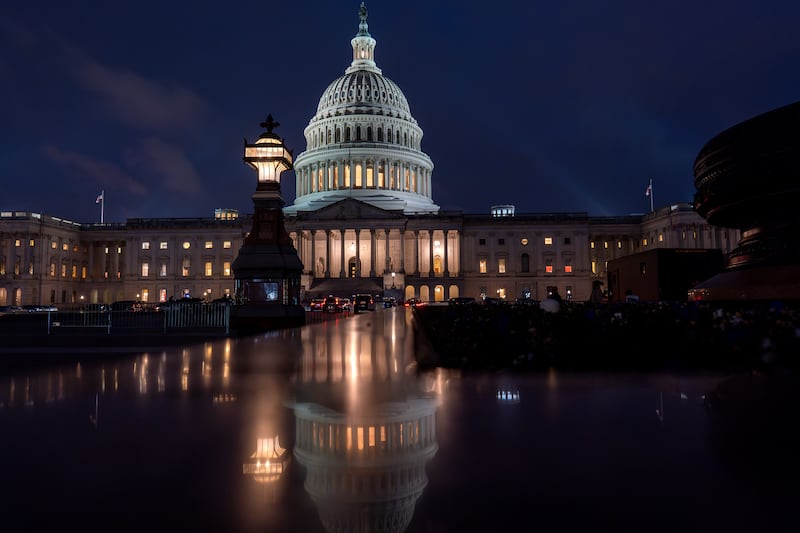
(345, 305)
(363, 302)
(317, 304)
(331, 304)
(389, 301)
(413, 302)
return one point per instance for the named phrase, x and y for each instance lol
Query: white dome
(365, 92)
(363, 143)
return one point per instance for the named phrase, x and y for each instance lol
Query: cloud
(103, 173)
(136, 100)
(167, 162)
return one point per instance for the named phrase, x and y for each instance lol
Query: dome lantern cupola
(363, 46)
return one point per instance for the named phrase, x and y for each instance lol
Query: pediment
(350, 208)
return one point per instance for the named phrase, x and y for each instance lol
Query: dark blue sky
(558, 106)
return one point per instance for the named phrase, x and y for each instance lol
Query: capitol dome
(363, 143)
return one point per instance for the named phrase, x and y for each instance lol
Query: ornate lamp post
(267, 269)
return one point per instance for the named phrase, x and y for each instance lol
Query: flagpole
(103, 203)
(651, 195)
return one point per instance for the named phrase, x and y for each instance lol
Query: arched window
(405, 139)
(380, 135)
(338, 135)
(525, 265)
(347, 134)
(369, 133)
(358, 133)
(328, 137)
(389, 135)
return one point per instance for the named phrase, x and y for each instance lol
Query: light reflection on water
(329, 428)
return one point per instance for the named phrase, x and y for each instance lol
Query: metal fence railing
(182, 316)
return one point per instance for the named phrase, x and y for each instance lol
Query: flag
(99, 198)
(649, 190)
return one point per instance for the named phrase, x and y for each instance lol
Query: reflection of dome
(363, 142)
(365, 473)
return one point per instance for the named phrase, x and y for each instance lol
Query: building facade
(363, 220)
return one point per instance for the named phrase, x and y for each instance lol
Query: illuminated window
(145, 245)
(209, 245)
(75, 248)
(145, 270)
(226, 244)
(683, 235)
(548, 241)
(52, 270)
(162, 295)
(619, 245)
(660, 237)
(185, 267)
(208, 268)
(482, 266)
(694, 235)
(605, 244)
(644, 242)
(105, 250)
(524, 242)
(53, 245)
(83, 272)
(186, 245)
(119, 250)
(568, 268)
(2, 267)
(65, 247)
(594, 267)
(501, 266)
(145, 295)
(30, 268)
(162, 245)
(591, 245)
(63, 270)
(74, 271)
(548, 266)
(162, 270)
(17, 243)
(226, 268)
(31, 243)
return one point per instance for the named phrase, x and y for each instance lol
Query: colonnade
(370, 252)
(382, 174)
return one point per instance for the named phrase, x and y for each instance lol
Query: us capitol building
(364, 220)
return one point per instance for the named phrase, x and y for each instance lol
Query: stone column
(403, 251)
(313, 266)
(446, 265)
(341, 232)
(430, 253)
(358, 249)
(416, 252)
(328, 245)
(386, 262)
(372, 253)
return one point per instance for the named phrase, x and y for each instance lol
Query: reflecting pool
(330, 427)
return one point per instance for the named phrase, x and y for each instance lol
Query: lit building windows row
(185, 268)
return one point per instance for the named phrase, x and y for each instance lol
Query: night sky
(550, 106)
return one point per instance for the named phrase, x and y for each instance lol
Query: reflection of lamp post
(393, 285)
(268, 462)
